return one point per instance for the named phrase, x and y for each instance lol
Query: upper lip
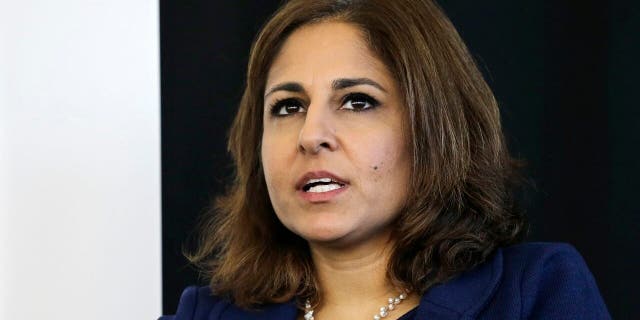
(317, 175)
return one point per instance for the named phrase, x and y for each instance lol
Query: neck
(353, 279)
(344, 274)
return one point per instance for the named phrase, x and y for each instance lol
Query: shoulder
(198, 303)
(195, 303)
(524, 281)
(537, 261)
(553, 281)
(535, 253)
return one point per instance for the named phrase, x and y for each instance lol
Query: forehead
(324, 51)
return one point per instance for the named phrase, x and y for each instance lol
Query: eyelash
(277, 106)
(359, 97)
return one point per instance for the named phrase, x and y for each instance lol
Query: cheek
(275, 160)
(266, 158)
(389, 177)
(269, 161)
(387, 157)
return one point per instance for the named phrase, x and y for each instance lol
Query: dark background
(565, 75)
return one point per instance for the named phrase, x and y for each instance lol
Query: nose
(318, 132)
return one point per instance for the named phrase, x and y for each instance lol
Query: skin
(318, 129)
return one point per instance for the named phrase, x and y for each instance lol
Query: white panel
(79, 160)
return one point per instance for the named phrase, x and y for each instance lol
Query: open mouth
(321, 185)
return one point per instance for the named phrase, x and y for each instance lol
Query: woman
(373, 181)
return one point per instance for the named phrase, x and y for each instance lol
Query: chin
(323, 233)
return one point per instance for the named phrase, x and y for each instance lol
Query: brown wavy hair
(460, 205)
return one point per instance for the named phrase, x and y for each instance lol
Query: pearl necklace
(384, 311)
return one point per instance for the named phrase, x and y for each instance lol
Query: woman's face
(333, 150)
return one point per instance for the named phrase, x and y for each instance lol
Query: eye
(286, 107)
(359, 102)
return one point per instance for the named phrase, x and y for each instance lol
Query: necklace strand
(384, 310)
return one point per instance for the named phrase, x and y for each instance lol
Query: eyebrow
(343, 83)
(337, 84)
(287, 86)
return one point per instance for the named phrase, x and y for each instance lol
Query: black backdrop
(565, 74)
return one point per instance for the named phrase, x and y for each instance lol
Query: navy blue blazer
(525, 281)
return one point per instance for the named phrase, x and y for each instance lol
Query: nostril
(314, 147)
(314, 139)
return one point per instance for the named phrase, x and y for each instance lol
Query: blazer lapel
(464, 296)
(281, 311)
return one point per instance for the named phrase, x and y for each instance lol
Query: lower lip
(317, 197)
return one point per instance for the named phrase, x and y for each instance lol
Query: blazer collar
(278, 311)
(460, 298)
(464, 296)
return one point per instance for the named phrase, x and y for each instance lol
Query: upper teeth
(324, 188)
(328, 184)
(326, 180)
